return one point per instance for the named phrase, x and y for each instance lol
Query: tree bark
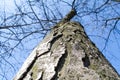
(66, 53)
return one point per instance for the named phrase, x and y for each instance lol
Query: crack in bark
(51, 42)
(60, 65)
(86, 61)
(27, 69)
(30, 65)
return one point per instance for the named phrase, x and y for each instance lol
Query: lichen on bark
(68, 54)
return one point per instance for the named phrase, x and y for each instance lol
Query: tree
(20, 25)
(67, 53)
(116, 0)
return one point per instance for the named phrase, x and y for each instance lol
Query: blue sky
(95, 33)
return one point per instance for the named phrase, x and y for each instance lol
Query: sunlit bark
(66, 53)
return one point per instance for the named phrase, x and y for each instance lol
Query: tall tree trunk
(66, 53)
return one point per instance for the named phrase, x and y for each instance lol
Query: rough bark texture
(66, 53)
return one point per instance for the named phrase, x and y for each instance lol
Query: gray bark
(66, 53)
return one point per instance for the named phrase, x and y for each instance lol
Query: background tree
(32, 20)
